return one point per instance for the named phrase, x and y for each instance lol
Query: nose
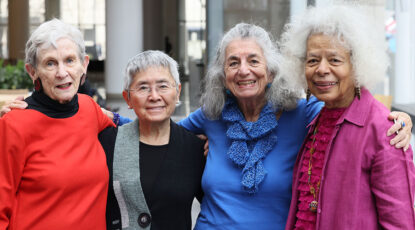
(323, 68)
(62, 72)
(244, 68)
(154, 94)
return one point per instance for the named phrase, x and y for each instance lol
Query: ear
(179, 90)
(126, 97)
(31, 71)
(86, 63)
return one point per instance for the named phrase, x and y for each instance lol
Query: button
(144, 220)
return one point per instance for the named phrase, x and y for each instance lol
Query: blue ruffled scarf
(251, 141)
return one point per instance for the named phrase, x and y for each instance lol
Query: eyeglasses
(145, 89)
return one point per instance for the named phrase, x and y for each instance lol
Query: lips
(325, 85)
(246, 83)
(64, 86)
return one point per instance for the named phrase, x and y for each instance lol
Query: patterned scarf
(251, 141)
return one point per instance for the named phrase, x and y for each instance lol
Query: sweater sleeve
(194, 122)
(12, 161)
(103, 120)
(392, 183)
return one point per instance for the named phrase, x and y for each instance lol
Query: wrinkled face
(59, 70)
(246, 70)
(328, 71)
(153, 95)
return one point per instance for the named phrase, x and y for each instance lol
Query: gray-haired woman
(255, 121)
(53, 172)
(156, 165)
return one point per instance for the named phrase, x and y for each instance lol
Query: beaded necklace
(314, 191)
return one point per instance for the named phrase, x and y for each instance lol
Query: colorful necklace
(313, 190)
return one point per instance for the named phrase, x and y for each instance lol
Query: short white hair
(47, 34)
(147, 59)
(353, 30)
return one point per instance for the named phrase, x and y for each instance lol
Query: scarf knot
(250, 142)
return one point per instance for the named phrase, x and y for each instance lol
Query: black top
(151, 159)
(39, 101)
(176, 183)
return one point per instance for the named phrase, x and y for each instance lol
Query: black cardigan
(180, 174)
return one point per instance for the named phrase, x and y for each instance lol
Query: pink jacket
(366, 183)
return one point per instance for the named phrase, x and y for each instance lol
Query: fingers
(108, 113)
(206, 148)
(4, 110)
(202, 137)
(402, 140)
(394, 128)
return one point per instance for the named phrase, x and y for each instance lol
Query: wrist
(116, 118)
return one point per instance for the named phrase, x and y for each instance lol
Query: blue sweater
(225, 204)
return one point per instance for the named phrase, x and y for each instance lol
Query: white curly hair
(353, 29)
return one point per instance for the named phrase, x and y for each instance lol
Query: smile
(245, 83)
(64, 86)
(325, 85)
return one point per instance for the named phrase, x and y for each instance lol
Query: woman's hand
(18, 103)
(403, 137)
(206, 147)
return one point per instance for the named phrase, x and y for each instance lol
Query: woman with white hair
(255, 122)
(346, 176)
(53, 172)
(155, 165)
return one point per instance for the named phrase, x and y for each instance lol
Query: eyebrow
(233, 57)
(147, 83)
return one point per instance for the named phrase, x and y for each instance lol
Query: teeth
(325, 84)
(246, 82)
(64, 85)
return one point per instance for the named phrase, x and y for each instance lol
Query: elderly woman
(346, 176)
(156, 165)
(53, 172)
(255, 121)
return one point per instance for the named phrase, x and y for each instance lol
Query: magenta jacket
(366, 183)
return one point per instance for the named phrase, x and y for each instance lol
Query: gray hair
(147, 59)
(353, 30)
(281, 94)
(47, 34)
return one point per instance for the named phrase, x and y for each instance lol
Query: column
(124, 39)
(18, 28)
(405, 52)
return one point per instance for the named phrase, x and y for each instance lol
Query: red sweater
(53, 172)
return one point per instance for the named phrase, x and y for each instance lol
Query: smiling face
(59, 70)
(328, 71)
(153, 95)
(246, 70)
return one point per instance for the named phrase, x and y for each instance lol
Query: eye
(336, 61)
(70, 60)
(163, 86)
(233, 64)
(311, 61)
(50, 63)
(143, 88)
(254, 61)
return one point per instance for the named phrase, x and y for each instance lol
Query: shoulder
(185, 136)
(306, 110)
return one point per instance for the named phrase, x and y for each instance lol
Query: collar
(357, 112)
(41, 102)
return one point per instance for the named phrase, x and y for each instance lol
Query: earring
(308, 94)
(357, 92)
(129, 107)
(228, 92)
(268, 85)
(38, 85)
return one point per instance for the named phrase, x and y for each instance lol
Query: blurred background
(188, 30)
